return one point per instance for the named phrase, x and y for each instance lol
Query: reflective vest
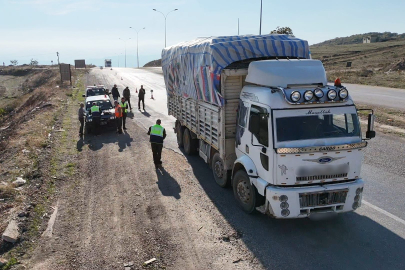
(156, 134)
(95, 111)
(95, 108)
(117, 111)
(124, 105)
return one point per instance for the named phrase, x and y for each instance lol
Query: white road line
(382, 211)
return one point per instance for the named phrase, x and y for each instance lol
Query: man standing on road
(127, 95)
(157, 135)
(141, 97)
(95, 118)
(115, 93)
(124, 106)
(118, 116)
(81, 118)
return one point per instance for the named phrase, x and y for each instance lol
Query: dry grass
(372, 64)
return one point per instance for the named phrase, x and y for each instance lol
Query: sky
(92, 29)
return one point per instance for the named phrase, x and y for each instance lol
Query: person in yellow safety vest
(124, 106)
(157, 135)
(118, 117)
(95, 118)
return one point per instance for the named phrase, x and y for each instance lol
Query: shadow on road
(167, 184)
(146, 113)
(95, 143)
(349, 241)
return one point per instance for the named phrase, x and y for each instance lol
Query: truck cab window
(258, 124)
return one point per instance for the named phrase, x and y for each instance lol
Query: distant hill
(154, 63)
(357, 39)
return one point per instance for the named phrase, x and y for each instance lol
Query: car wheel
(244, 192)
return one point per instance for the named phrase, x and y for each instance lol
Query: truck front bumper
(299, 202)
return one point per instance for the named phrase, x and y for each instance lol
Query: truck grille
(321, 177)
(323, 198)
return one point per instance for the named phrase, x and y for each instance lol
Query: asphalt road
(378, 96)
(373, 237)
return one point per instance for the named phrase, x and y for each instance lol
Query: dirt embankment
(31, 103)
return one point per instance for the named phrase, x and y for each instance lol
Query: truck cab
(298, 142)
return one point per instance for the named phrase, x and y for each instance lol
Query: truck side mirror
(370, 133)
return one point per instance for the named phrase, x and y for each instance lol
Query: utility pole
(61, 80)
(261, 9)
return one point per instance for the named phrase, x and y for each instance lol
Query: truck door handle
(247, 149)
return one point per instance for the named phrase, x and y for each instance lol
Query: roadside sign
(65, 73)
(80, 63)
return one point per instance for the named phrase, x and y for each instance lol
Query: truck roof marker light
(308, 95)
(318, 93)
(338, 82)
(295, 96)
(332, 94)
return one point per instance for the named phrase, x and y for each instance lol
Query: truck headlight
(308, 95)
(295, 96)
(89, 120)
(285, 212)
(283, 198)
(332, 94)
(318, 93)
(355, 205)
(343, 93)
(284, 205)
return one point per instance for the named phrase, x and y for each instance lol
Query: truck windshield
(309, 127)
(95, 92)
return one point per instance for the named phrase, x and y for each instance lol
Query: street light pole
(165, 19)
(137, 56)
(125, 43)
(261, 8)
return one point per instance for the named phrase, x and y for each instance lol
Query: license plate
(103, 123)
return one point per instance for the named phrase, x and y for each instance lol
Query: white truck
(288, 143)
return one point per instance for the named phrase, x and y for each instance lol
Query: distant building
(370, 39)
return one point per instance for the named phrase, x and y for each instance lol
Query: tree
(14, 62)
(283, 30)
(33, 62)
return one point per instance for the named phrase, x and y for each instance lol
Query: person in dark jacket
(141, 96)
(127, 95)
(115, 93)
(157, 135)
(81, 115)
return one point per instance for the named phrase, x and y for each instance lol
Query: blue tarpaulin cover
(192, 69)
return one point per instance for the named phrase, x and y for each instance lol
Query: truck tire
(244, 192)
(190, 144)
(222, 176)
(179, 133)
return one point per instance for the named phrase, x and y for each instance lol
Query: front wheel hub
(218, 169)
(243, 189)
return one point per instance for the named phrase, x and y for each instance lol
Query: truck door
(259, 138)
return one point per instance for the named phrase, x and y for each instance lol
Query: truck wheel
(244, 192)
(220, 174)
(190, 145)
(179, 133)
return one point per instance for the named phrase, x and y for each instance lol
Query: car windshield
(309, 127)
(95, 92)
(104, 104)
